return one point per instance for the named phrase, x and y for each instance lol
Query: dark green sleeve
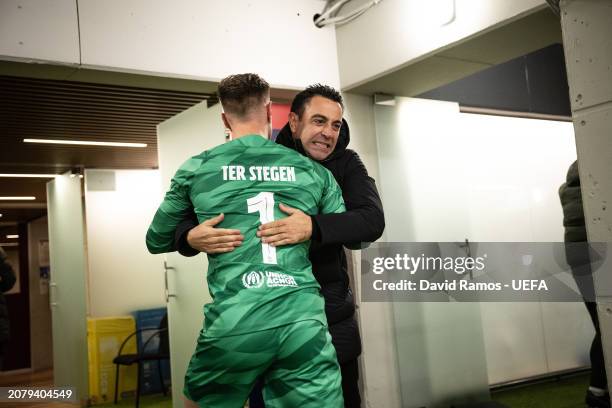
(174, 209)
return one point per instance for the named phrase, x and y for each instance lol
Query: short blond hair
(242, 94)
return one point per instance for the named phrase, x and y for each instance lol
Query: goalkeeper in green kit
(267, 317)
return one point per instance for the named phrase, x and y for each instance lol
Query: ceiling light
(26, 198)
(20, 175)
(85, 142)
(12, 236)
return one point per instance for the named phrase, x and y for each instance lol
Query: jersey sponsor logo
(255, 279)
(258, 173)
(276, 279)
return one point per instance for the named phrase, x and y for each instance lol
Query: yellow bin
(104, 337)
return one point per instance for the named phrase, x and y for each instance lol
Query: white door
(67, 291)
(197, 129)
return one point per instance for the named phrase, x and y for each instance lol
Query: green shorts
(297, 361)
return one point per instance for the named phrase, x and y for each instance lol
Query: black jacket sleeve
(364, 220)
(7, 276)
(180, 236)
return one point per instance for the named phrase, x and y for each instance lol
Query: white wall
(208, 39)
(123, 277)
(447, 176)
(359, 112)
(40, 30)
(211, 39)
(485, 169)
(202, 39)
(521, 189)
(378, 362)
(504, 188)
(421, 191)
(398, 32)
(40, 311)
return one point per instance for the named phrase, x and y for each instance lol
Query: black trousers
(598, 367)
(350, 384)
(350, 387)
(577, 252)
(3, 347)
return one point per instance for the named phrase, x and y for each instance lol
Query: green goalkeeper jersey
(256, 286)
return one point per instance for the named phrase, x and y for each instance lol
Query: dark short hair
(299, 102)
(240, 94)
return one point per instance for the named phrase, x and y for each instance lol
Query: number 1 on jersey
(263, 203)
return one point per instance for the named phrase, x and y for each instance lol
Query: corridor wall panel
(448, 176)
(210, 39)
(396, 33)
(39, 30)
(123, 277)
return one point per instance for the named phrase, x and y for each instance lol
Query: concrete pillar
(587, 39)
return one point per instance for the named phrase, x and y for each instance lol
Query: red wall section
(280, 113)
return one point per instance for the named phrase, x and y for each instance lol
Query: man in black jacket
(7, 281)
(577, 254)
(311, 132)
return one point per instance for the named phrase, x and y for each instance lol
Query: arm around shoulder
(364, 220)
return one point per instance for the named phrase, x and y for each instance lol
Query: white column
(587, 38)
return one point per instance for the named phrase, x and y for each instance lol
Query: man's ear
(269, 111)
(225, 121)
(293, 122)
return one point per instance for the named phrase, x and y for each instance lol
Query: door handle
(468, 252)
(167, 293)
(52, 287)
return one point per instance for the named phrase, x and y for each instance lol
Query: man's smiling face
(319, 127)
